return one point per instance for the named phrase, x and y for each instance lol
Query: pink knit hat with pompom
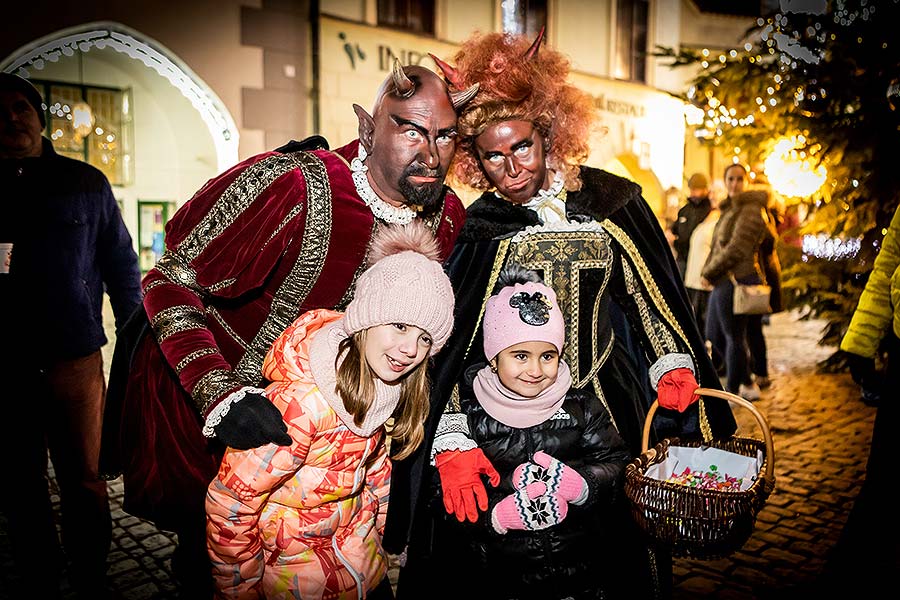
(404, 284)
(523, 312)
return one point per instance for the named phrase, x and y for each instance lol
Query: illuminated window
(631, 39)
(524, 16)
(152, 218)
(413, 15)
(92, 124)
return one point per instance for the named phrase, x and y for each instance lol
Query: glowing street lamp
(791, 173)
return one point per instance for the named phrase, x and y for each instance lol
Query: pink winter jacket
(307, 518)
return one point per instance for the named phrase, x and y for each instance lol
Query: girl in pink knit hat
(548, 530)
(305, 520)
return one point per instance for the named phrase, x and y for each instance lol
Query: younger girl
(550, 531)
(306, 520)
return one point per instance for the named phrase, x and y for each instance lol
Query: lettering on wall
(619, 107)
(353, 51)
(386, 54)
(386, 57)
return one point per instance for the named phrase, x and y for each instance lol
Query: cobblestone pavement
(821, 434)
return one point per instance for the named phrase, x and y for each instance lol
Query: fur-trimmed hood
(601, 194)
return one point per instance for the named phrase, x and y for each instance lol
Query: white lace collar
(381, 209)
(550, 204)
(550, 193)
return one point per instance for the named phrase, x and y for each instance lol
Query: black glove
(251, 422)
(863, 371)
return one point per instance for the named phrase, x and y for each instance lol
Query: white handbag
(751, 299)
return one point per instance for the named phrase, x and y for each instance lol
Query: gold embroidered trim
(351, 289)
(242, 192)
(306, 270)
(175, 319)
(191, 357)
(562, 255)
(644, 273)
(157, 283)
(212, 386)
(221, 285)
(659, 337)
(177, 270)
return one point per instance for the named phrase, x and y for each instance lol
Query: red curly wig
(514, 87)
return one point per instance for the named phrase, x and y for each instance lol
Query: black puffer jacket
(564, 560)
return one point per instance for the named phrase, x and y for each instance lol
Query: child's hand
(559, 477)
(531, 508)
(461, 484)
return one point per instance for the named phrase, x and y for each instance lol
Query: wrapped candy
(711, 479)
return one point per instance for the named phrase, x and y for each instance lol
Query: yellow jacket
(878, 303)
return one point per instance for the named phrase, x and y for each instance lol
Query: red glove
(675, 389)
(461, 484)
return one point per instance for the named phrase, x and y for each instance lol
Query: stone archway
(103, 35)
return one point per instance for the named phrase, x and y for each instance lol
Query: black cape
(603, 196)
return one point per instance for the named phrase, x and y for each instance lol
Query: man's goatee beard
(426, 198)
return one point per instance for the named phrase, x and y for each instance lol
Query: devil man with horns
(274, 236)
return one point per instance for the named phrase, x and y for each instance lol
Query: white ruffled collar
(381, 209)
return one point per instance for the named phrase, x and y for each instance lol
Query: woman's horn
(450, 72)
(535, 45)
(460, 98)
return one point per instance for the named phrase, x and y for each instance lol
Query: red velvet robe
(274, 236)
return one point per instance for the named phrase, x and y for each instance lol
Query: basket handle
(763, 424)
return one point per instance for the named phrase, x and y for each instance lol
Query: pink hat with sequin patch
(524, 312)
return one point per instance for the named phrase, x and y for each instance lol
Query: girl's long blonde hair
(356, 387)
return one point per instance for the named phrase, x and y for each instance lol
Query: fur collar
(601, 194)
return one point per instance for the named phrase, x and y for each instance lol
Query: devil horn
(449, 71)
(402, 84)
(458, 99)
(533, 50)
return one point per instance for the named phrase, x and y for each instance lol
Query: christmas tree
(814, 95)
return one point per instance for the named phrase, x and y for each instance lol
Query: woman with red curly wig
(631, 335)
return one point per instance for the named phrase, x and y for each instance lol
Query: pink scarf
(518, 411)
(322, 350)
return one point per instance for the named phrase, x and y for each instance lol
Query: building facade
(162, 98)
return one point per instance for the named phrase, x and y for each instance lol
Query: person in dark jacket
(734, 258)
(559, 457)
(64, 244)
(695, 210)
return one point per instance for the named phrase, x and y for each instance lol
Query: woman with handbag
(771, 266)
(733, 261)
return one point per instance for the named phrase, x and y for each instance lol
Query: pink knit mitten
(561, 479)
(530, 508)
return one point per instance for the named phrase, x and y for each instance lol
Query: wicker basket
(692, 522)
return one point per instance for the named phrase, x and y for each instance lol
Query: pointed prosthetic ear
(366, 126)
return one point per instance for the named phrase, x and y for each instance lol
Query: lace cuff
(221, 409)
(670, 362)
(452, 434)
